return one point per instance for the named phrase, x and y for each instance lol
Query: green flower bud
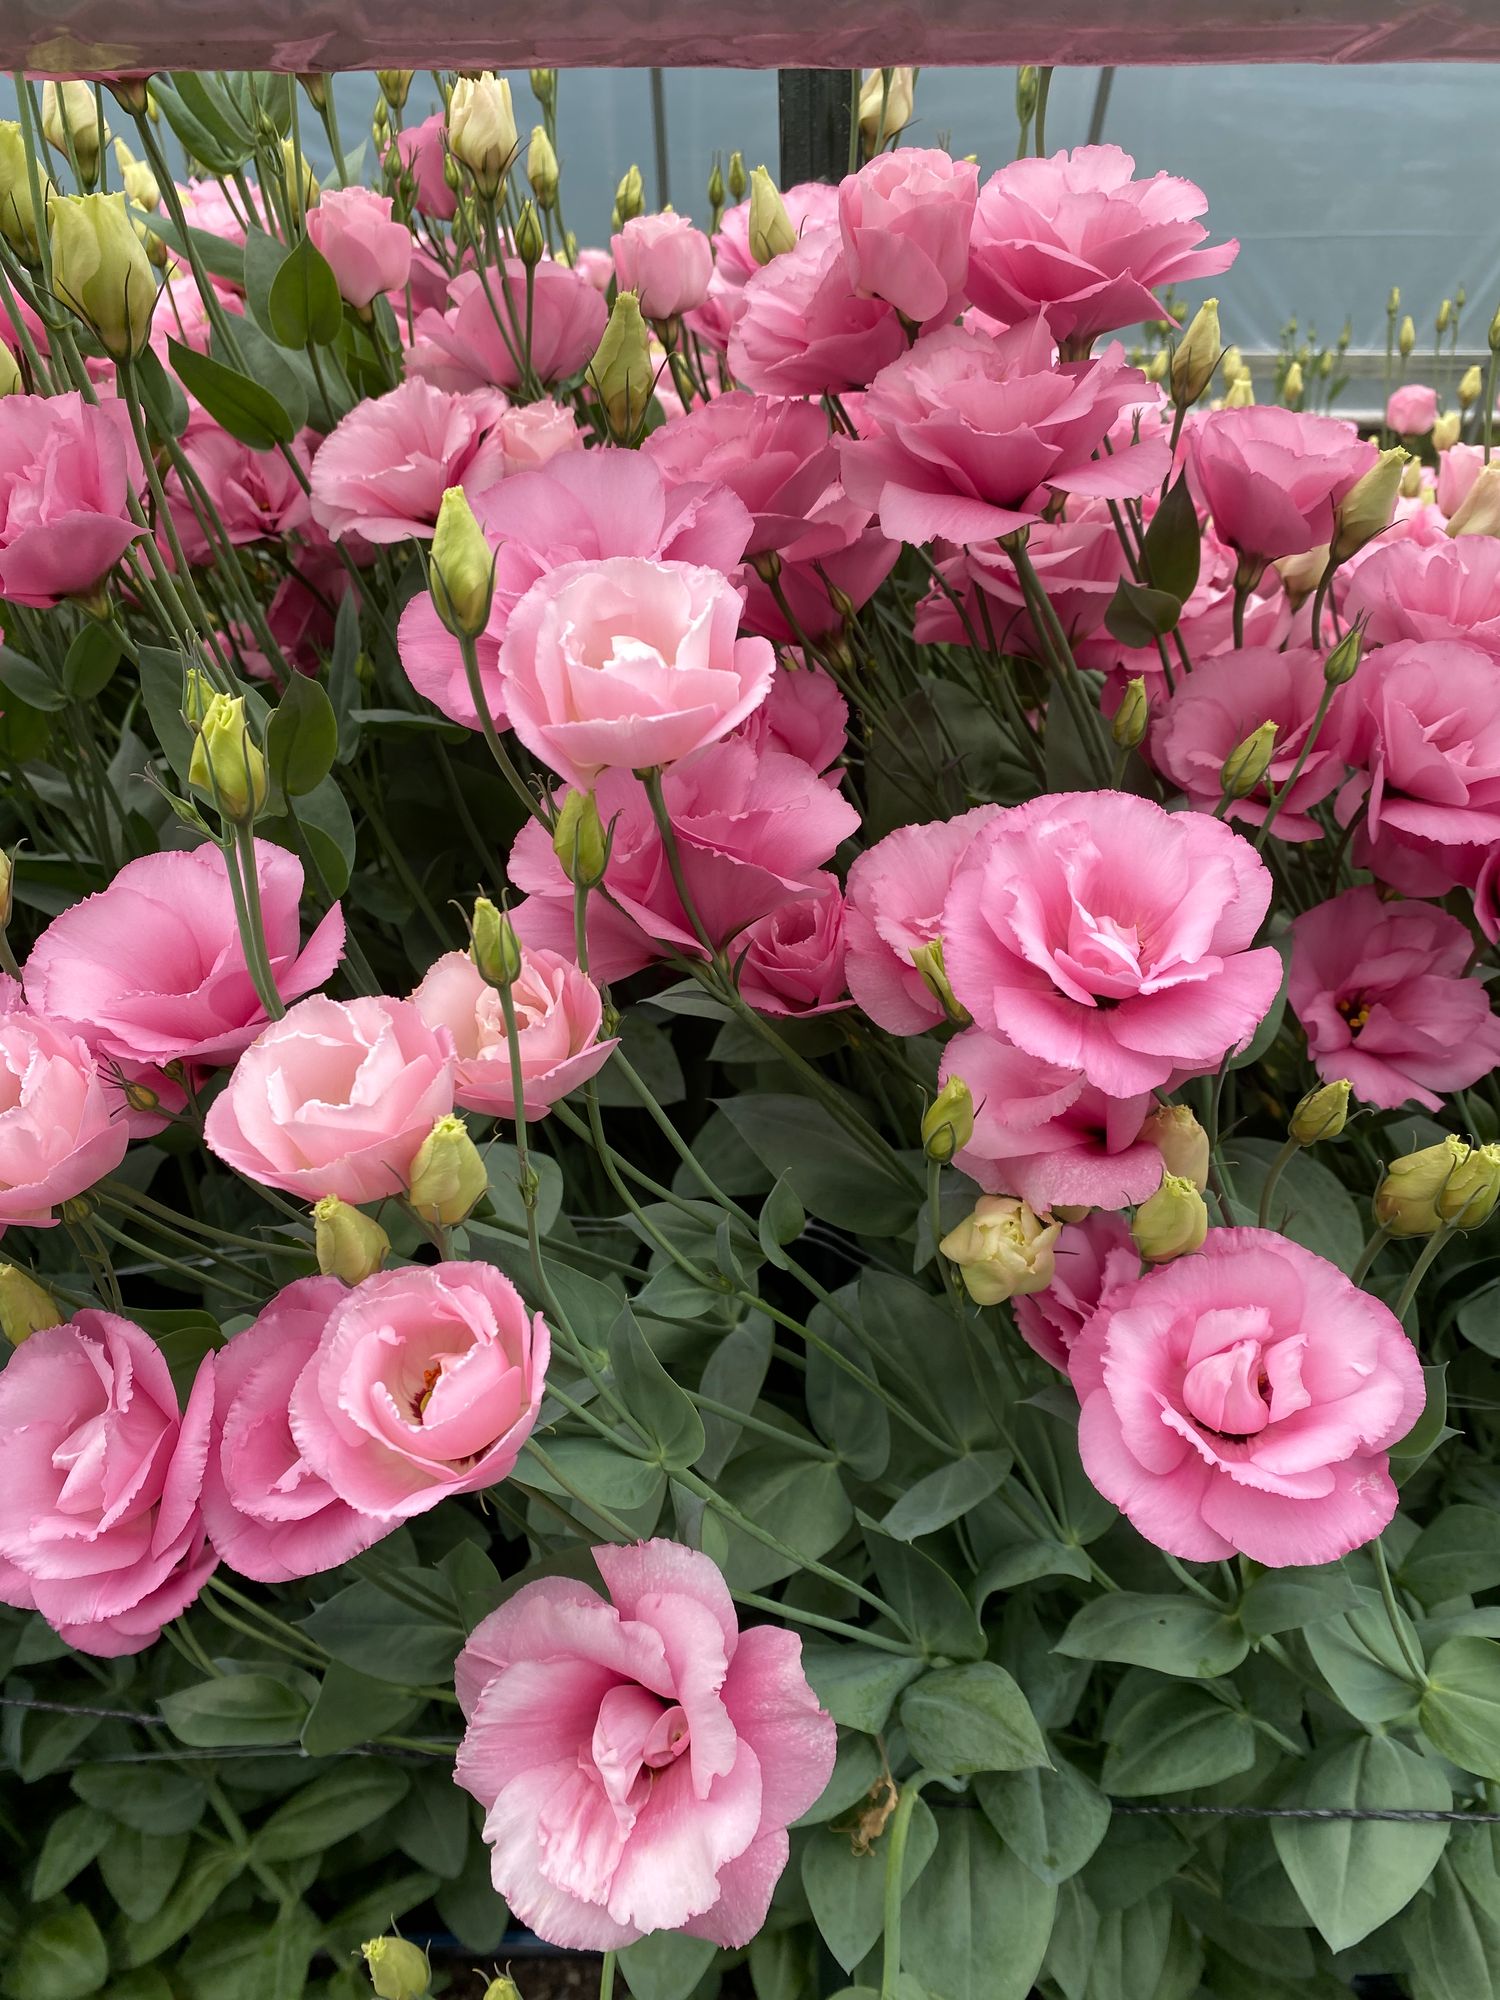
(1173, 1223)
(1181, 1141)
(395, 86)
(494, 946)
(18, 222)
(197, 695)
(100, 271)
(531, 244)
(227, 767)
(1365, 510)
(1445, 430)
(771, 230)
(1128, 723)
(1028, 89)
(544, 87)
(70, 111)
(1393, 303)
(948, 1124)
(1197, 355)
(928, 959)
(578, 840)
(1406, 339)
(1469, 1194)
(716, 189)
(502, 1988)
(1003, 1250)
(1470, 385)
(622, 371)
(1342, 663)
(1406, 1201)
(25, 1308)
(398, 1970)
(1494, 334)
(541, 167)
(447, 1175)
(350, 1245)
(737, 180)
(462, 567)
(1247, 764)
(315, 83)
(630, 197)
(1322, 1114)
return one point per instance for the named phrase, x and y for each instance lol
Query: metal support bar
(816, 108)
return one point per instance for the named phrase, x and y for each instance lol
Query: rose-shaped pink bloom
(152, 969)
(1227, 698)
(60, 1128)
(754, 826)
(1093, 1260)
(1078, 239)
(803, 330)
(968, 434)
(382, 472)
(100, 1529)
(1243, 1401)
(366, 250)
(334, 1098)
(1458, 467)
(67, 470)
(1412, 410)
(268, 1514)
(1100, 933)
(905, 220)
(255, 494)
(793, 959)
(598, 266)
(1273, 479)
(424, 150)
(808, 204)
(840, 554)
(463, 348)
(1379, 988)
(773, 451)
(804, 715)
(628, 663)
(639, 1760)
(558, 1017)
(425, 1382)
(665, 262)
(894, 909)
(530, 435)
(1044, 1132)
(1441, 590)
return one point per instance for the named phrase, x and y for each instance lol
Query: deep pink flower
(255, 494)
(382, 472)
(804, 715)
(967, 435)
(793, 959)
(1412, 410)
(424, 150)
(1093, 1260)
(905, 219)
(638, 1759)
(774, 452)
(1487, 897)
(809, 204)
(1100, 933)
(894, 909)
(1081, 241)
(100, 1529)
(464, 347)
(665, 262)
(152, 969)
(67, 470)
(1379, 989)
(60, 1128)
(1272, 479)
(366, 250)
(802, 329)
(558, 1018)
(1441, 590)
(1243, 1400)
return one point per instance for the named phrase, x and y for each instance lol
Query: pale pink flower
(802, 329)
(1272, 479)
(774, 452)
(382, 472)
(559, 1015)
(465, 347)
(808, 204)
(1092, 1261)
(256, 495)
(67, 471)
(894, 909)
(367, 251)
(665, 262)
(1441, 590)
(1412, 410)
(59, 1125)
(793, 959)
(905, 219)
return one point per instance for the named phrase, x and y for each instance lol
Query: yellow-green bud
(885, 106)
(395, 86)
(1342, 663)
(227, 767)
(462, 581)
(1470, 386)
(1478, 513)
(18, 222)
(7, 887)
(482, 129)
(737, 180)
(197, 694)
(349, 1245)
(716, 189)
(1248, 762)
(1365, 510)
(1322, 1113)
(1156, 368)
(771, 230)
(11, 383)
(1406, 1201)
(621, 370)
(1494, 334)
(502, 1988)
(1233, 364)
(398, 1970)
(71, 111)
(1240, 394)
(309, 189)
(1173, 1223)
(578, 840)
(1445, 430)
(1291, 386)
(25, 1308)
(493, 944)
(1393, 303)
(315, 83)
(531, 244)
(1406, 339)
(541, 167)
(140, 183)
(1003, 1250)
(1128, 723)
(447, 1175)
(1028, 89)
(1469, 1194)
(1411, 480)
(1181, 1141)
(928, 959)
(544, 87)
(948, 1123)
(100, 270)
(1197, 355)
(630, 197)
(1444, 314)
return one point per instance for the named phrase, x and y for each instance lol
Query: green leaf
(243, 1957)
(800, 1500)
(1452, 1934)
(433, 1825)
(1284, 1600)
(931, 1356)
(264, 257)
(844, 1411)
(665, 1966)
(207, 1874)
(152, 1799)
(977, 1920)
(288, 377)
(91, 661)
(247, 411)
(139, 1869)
(330, 1808)
(1174, 543)
(1177, 1739)
(343, 674)
(238, 1709)
(367, 1628)
(324, 820)
(1460, 1709)
(782, 1221)
(302, 737)
(946, 1495)
(846, 1888)
(600, 1470)
(1053, 1820)
(663, 1410)
(59, 1956)
(163, 671)
(1174, 1635)
(925, 1597)
(1456, 1555)
(1138, 615)
(971, 1718)
(856, 1685)
(1354, 1875)
(352, 1708)
(1431, 1429)
(30, 683)
(218, 256)
(832, 1174)
(165, 405)
(304, 305)
(1313, 1206)
(1359, 1657)
(73, 1839)
(470, 1907)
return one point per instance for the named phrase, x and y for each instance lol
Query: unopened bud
(1406, 1201)
(482, 129)
(622, 371)
(140, 183)
(7, 886)
(1478, 513)
(462, 567)
(349, 1245)
(1248, 762)
(503, 1987)
(493, 944)
(1342, 663)
(1322, 1113)
(1365, 510)
(716, 189)
(1240, 394)
(541, 167)
(771, 230)
(1445, 430)
(447, 1175)
(1470, 386)
(1156, 368)
(630, 197)
(1291, 386)
(315, 83)
(1406, 339)
(578, 840)
(25, 1308)
(885, 106)
(1173, 1223)
(737, 181)
(100, 271)
(307, 189)
(1494, 334)
(227, 767)
(1411, 480)
(531, 244)
(395, 86)
(1197, 355)
(1444, 314)
(18, 219)
(398, 1970)
(1028, 89)
(1003, 1250)
(1128, 723)
(197, 694)
(1181, 1141)
(70, 111)
(948, 1124)
(1470, 1192)
(1233, 364)
(1393, 303)
(11, 382)
(928, 959)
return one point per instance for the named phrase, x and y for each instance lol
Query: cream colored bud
(771, 229)
(349, 1245)
(1003, 1250)
(309, 190)
(493, 944)
(1241, 393)
(1365, 510)
(100, 271)
(1129, 721)
(7, 887)
(1494, 333)
(1248, 762)
(885, 106)
(1470, 386)
(1406, 339)
(197, 695)
(1302, 573)
(541, 167)
(227, 767)
(1292, 386)
(18, 223)
(140, 183)
(11, 383)
(928, 959)
(1470, 1192)
(398, 1970)
(1173, 1223)
(1445, 430)
(1232, 364)
(1196, 356)
(1155, 370)
(1478, 513)
(482, 129)
(395, 86)
(71, 111)
(25, 1308)
(1322, 1114)
(447, 1175)
(1393, 303)
(622, 371)
(578, 840)
(1444, 314)
(1181, 1141)
(948, 1123)
(630, 198)
(1411, 480)
(462, 567)
(502, 1988)
(1028, 89)
(1406, 1201)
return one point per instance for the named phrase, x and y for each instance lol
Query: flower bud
(1478, 513)
(1128, 724)
(531, 244)
(578, 840)
(227, 767)
(398, 1970)
(1470, 386)
(1156, 368)
(716, 191)
(1342, 663)
(1444, 314)
(771, 229)
(948, 1124)
(7, 887)
(1470, 1192)
(25, 1308)
(197, 694)
(1248, 762)
(350, 1246)
(885, 106)
(502, 1988)
(1003, 1250)
(141, 1097)
(1411, 480)
(395, 86)
(1406, 339)
(1240, 394)
(1406, 1201)
(482, 129)
(100, 270)
(1302, 573)
(71, 111)
(1446, 429)
(447, 1175)
(1494, 333)
(1291, 386)
(309, 190)
(18, 223)
(621, 370)
(928, 959)
(541, 167)
(737, 181)
(315, 83)
(1322, 1114)
(1181, 1141)
(630, 198)
(1365, 510)
(493, 944)
(11, 383)
(1233, 364)
(1197, 355)
(1028, 89)
(1393, 303)
(140, 183)
(462, 580)
(1172, 1223)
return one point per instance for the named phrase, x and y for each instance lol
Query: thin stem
(497, 749)
(895, 1869)
(607, 1977)
(244, 890)
(1393, 1613)
(1273, 1174)
(1281, 794)
(1430, 1251)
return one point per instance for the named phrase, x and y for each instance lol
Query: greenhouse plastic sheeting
(118, 36)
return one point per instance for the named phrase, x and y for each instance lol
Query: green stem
(1280, 795)
(652, 781)
(244, 890)
(1367, 1256)
(1430, 1251)
(1273, 1174)
(1392, 1612)
(607, 1977)
(895, 1869)
(497, 749)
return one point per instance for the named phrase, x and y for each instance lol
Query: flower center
(1355, 1009)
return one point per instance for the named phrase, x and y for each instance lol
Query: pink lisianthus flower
(804, 715)
(665, 262)
(67, 471)
(774, 452)
(640, 1758)
(1100, 933)
(463, 348)
(894, 909)
(803, 330)
(1079, 240)
(793, 960)
(367, 251)
(905, 219)
(255, 494)
(559, 1015)
(1093, 1260)
(1272, 479)
(1243, 1400)
(838, 562)
(1412, 410)
(1439, 590)
(61, 1127)
(809, 204)
(100, 1528)
(1379, 989)
(424, 151)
